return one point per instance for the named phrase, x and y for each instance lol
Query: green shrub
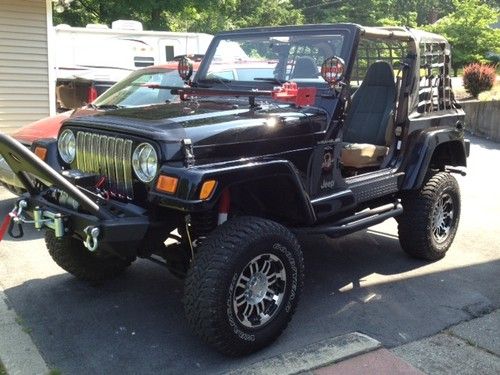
(478, 78)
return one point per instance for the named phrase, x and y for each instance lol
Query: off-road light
(145, 162)
(66, 144)
(185, 68)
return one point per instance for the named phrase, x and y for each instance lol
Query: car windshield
(141, 89)
(273, 59)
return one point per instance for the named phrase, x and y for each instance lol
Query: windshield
(274, 59)
(140, 89)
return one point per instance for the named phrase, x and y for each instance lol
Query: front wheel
(244, 285)
(430, 219)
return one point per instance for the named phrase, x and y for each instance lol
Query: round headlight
(145, 162)
(66, 144)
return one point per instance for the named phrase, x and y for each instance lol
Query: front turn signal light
(167, 184)
(41, 152)
(207, 189)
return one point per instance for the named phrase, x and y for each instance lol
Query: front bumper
(120, 234)
(66, 209)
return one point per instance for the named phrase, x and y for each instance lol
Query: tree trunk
(155, 23)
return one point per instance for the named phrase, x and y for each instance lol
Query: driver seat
(305, 67)
(368, 126)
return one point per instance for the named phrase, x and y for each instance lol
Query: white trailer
(88, 60)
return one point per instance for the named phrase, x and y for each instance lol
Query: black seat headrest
(379, 73)
(305, 67)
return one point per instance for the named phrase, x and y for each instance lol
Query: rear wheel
(244, 285)
(73, 257)
(430, 219)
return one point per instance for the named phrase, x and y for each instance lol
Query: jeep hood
(210, 125)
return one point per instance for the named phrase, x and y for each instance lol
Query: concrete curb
(18, 353)
(313, 356)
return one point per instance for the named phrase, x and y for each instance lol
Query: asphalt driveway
(362, 282)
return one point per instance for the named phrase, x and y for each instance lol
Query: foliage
(213, 16)
(464, 22)
(375, 12)
(478, 78)
(468, 31)
(193, 15)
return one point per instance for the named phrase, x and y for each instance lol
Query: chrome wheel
(443, 218)
(259, 291)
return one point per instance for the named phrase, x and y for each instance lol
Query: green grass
(54, 371)
(3, 371)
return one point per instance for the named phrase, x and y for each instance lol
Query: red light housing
(91, 94)
(291, 93)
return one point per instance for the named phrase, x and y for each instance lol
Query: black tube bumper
(122, 227)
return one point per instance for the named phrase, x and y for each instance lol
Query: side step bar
(355, 222)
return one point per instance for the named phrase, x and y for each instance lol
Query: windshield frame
(348, 31)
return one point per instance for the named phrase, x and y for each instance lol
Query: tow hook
(16, 218)
(41, 219)
(91, 242)
(13, 218)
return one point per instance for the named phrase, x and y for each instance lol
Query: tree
(191, 15)
(468, 31)
(215, 15)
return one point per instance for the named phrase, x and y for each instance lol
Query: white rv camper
(88, 60)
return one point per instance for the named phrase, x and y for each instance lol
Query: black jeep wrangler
(319, 129)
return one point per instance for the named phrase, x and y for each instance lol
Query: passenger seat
(368, 127)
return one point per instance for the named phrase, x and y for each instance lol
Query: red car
(143, 87)
(135, 90)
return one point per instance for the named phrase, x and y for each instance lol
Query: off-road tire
(73, 257)
(415, 225)
(210, 283)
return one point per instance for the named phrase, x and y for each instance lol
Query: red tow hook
(5, 225)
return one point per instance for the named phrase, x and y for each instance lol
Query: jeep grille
(107, 156)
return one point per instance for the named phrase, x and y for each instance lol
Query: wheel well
(274, 198)
(449, 153)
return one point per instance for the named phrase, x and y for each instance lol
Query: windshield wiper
(222, 81)
(107, 106)
(215, 79)
(272, 80)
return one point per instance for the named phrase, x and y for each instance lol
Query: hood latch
(187, 148)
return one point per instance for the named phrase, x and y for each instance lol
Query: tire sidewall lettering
(291, 262)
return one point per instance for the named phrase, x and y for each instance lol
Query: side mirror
(185, 68)
(332, 70)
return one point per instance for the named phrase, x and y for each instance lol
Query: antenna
(187, 37)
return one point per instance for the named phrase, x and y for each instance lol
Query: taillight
(91, 94)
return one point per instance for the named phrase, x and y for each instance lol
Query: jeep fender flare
(228, 175)
(428, 148)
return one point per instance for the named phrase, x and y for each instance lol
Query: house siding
(25, 87)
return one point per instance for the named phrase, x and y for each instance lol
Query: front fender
(423, 145)
(227, 175)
